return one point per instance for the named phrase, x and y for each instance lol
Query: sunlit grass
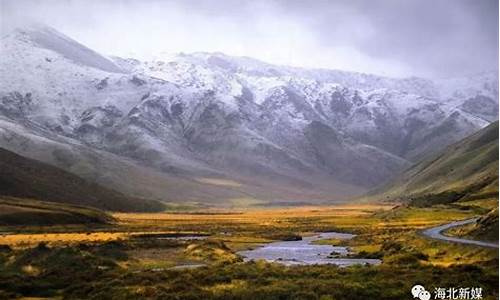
(145, 264)
(30, 240)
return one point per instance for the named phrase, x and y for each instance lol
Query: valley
(144, 255)
(208, 176)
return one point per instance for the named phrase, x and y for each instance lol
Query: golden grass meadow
(140, 255)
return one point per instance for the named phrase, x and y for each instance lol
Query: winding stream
(304, 252)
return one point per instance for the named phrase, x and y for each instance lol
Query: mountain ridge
(214, 116)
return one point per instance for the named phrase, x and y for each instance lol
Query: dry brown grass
(259, 216)
(29, 240)
(248, 228)
(139, 223)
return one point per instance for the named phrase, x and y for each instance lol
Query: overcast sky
(432, 38)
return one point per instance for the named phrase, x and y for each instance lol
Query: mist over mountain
(207, 127)
(464, 170)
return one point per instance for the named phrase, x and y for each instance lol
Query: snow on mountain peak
(211, 111)
(48, 38)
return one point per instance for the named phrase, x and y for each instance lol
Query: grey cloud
(442, 38)
(395, 37)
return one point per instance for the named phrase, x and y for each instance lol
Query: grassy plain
(133, 259)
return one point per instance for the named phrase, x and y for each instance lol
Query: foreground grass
(87, 274)
(135, 265)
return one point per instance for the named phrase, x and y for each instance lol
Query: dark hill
(27, 178)
(17, 211)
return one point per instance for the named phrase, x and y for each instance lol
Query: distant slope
(16, 211)
(138, 181)
(468, 168)
(27, 178)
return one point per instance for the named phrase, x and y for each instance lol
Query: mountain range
(221, 130)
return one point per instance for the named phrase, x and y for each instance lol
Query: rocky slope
(277, 132)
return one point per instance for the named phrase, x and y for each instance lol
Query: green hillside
(22, 177)
(466, 169)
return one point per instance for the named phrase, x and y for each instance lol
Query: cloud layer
(392, 37)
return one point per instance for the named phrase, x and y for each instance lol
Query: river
(305, 252)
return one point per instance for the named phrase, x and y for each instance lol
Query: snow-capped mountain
(299, 133)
